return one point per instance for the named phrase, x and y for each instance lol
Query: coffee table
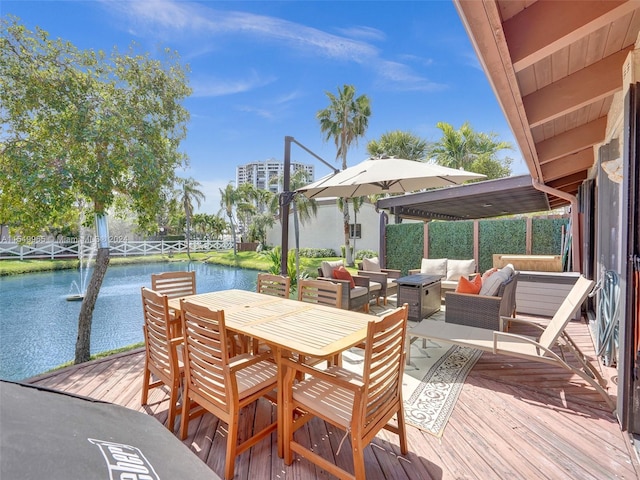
(422, 293)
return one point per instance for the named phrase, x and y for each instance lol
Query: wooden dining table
(286, 325)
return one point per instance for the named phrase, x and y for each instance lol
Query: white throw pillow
(434, 266)
(491, 285)
(459, 268)
(371, 264)
(329, 267)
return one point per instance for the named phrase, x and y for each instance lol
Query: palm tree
(398, 144)
(189, 193)
(345, 120)
(470, 150)
(228, 199)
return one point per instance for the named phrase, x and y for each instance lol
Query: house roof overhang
(554, 68)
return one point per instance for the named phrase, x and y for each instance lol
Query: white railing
(54, 250)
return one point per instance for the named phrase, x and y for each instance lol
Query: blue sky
(260, 70)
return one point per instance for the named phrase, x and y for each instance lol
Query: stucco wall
(326, 230)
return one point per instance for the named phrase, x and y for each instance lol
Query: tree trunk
(347, 245)
(233, 231)
(83, 342)
(188, 237)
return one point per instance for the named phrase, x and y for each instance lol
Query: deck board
(514, 419)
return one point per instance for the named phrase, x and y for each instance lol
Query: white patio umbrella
(385, 175)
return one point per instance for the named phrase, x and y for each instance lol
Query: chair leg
(173, 405)
(358, 458)
(145, 385)
(232, 445)
(184, 420)
(402, 431)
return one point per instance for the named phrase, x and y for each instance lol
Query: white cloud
(215, 87)
(196, 22)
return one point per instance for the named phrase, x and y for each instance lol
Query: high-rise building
(265, 175)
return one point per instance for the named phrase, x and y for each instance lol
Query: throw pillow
(328, 267)
(469, 286)
(488, 273)
(434, 266)
(371, 264)
(492, 284)
(343, 274)
(460, 268)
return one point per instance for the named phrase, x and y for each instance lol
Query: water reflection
(38, 326)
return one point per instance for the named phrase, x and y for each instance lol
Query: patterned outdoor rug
(431, 403)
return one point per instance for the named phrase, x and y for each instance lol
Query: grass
(100, 355)
(249, 260)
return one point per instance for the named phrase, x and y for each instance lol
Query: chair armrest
(413, 271)
(361, 280)
(379, 277)
(473, 310)
(246, 360)
(392, 273)
(349, 380)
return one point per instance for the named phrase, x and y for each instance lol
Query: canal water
(38, 326)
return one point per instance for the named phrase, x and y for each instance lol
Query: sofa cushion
(371, 264)
(328, 267)
(375, 286)
(492, 284)
(342, 273)
(460, 268)
(357, 292)
(434, 266)
(469, 286)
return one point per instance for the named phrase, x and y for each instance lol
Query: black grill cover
(54, 435)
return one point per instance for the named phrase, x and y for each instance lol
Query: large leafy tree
(188, 193)
(85, 125)
(470, 150)
(398, 144)
(345, 120)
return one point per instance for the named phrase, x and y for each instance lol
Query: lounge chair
(521, 346)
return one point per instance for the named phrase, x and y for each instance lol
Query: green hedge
(405, 241)
(451, 240)
(500, 236)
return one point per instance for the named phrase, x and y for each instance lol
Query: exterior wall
(326, 230)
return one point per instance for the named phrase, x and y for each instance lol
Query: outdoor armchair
(161, 351)
(218, 383)
(483, 311)
(355, 296)
(360, 405)
(386, 277)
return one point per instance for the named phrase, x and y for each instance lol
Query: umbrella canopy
(385, 175)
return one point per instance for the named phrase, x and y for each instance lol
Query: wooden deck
(514, 419)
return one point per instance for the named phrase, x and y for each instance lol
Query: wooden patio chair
(220, 384)
(276, 285)
(320, 291)
(521, 346)
(269, 284)
(359, 404)
(161, 351)
(174, 285)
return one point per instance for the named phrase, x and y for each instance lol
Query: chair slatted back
(157, 334)
(174, 284)
(276, 285)
(321, 292)
(577, 295)
(206, 356)
(384, 359)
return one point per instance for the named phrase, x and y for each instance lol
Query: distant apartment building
(265, 175)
